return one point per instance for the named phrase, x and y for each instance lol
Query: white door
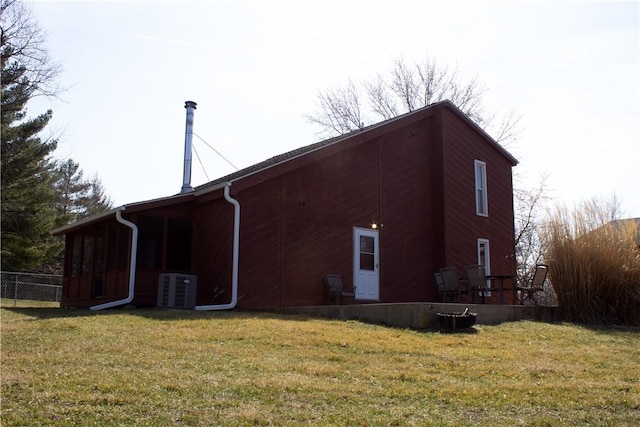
(366, 260)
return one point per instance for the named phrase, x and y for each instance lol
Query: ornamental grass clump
(594, 264)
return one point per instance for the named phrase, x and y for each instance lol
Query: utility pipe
(236, 243)
(188, 144)
(132, 266)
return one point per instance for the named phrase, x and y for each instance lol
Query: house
(385, 207)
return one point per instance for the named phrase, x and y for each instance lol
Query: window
(483, 255)
(76, 254)
(367, 253)
(481, 188)
(179, 237)
(150, 235)
(87, 252)
(483, 260)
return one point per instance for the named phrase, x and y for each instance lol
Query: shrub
(594, 264)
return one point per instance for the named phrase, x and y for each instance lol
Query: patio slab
(423, 315)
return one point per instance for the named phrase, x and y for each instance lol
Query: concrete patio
(423, 315)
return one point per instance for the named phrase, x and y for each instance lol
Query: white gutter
(132, 266)
(236, 242)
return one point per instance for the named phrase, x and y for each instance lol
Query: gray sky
(571, 69)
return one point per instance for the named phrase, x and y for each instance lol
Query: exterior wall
(81, 271)
(413, 177)
(461, 146)
(213, 250)
(110, 265)
(409, 197)
(297, 221)
(147, 277)
(297, 227)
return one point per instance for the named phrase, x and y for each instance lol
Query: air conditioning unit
(177, 290)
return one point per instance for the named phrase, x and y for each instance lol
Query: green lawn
(186, 368)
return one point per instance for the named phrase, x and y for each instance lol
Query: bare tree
(382, 101)
(341, 110)
(528, 211)
(23, 42)
(407, 88)
(412, 86)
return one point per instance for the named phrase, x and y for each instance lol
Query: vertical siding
(416, 177)
(213, 251)
(408, 203)
(461, 146)
(260, 245)
(417, 180)
(297, 227)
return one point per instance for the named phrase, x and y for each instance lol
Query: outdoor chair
(449, 285)
(335, 291)
(529, 287)
(477, 280)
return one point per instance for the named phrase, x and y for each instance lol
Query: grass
(10, 302)
(154, 367)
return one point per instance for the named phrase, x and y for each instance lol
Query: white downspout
(132, 266)
(236, 242)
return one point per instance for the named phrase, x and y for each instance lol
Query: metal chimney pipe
(188, 142)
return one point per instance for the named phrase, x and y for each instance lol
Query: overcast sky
(570, 69)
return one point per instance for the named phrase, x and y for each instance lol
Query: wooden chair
(449, 285)
(335, 291)
(528, 290)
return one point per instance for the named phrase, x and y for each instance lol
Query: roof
(285, 157)
(281, 158)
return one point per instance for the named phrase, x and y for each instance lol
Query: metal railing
(30, 287)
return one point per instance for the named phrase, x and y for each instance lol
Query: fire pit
(456, 320)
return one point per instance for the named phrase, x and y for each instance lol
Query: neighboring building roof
(282, 158)
(619, 223)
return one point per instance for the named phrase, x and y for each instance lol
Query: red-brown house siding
(413, 176)
(213, 250)
(406, 198)
(297, 227)
(146, 292)
(462, 145)
(78, 288)
(79, 291)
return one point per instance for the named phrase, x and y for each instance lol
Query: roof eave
(86, 221)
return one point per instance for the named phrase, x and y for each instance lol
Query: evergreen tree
(67, 185)
(38, 194)
(77, 198)
(95, 199)
(27, 198)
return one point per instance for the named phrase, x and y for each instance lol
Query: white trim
(357, 232)
(236, 254)
(487, 263)
(86, 221)
(487, 260)
(481, 185)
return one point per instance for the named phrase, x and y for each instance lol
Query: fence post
(15, 292)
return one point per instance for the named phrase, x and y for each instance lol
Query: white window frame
(482, 205)
(487, 259)
(487, 255)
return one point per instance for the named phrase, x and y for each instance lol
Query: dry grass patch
(153, 367)
(594, 263)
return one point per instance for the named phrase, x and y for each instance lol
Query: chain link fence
(30, 289)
